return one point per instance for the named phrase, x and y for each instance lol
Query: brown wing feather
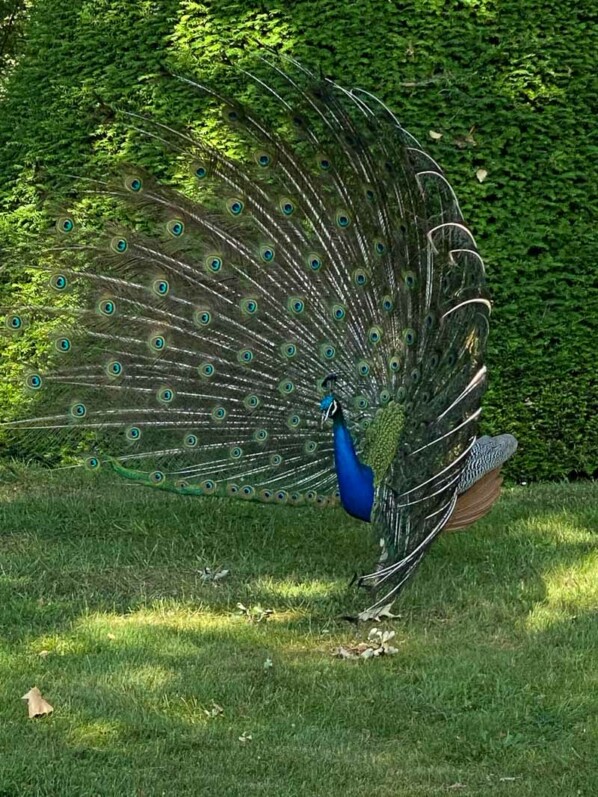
(476, 502)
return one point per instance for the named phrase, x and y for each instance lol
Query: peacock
(303, 322)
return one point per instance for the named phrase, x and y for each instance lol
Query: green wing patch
(382, 439)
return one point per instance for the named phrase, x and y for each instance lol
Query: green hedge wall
(507, 84)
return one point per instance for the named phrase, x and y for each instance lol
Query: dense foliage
(507, 85)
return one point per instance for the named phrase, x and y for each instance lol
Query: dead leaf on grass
(254, 614)
(207, 574)
(377, 645)
(481, 174)
(38, 707)
(214, 711)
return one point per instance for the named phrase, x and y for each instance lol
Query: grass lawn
(493, 691)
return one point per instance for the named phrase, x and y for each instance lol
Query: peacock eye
(114, 368)
(161, 287)
(134, 184)
(65, 224)
(63, 345)
(175, 227)
(59, 282)
(119, 245)
(214, 263)
(263, 159)
(235, 206)
(343, 219)
(133, 433)
(267, 254)
(107, 307)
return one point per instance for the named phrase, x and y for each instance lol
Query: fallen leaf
(110, 636)
(37, 705)
(215, 711)
(207, 574)
(481, 174)
(344, 653)
(268, 664)
(245, 737)
(255, 614)
(464, 141)
(433, 134)
(458, 786)
(377, 645)
(44, 653)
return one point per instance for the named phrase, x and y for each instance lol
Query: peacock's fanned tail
(189, 352)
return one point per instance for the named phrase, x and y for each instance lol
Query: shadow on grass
(495, 643)
(72, 544)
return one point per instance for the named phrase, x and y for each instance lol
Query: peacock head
(329, 406)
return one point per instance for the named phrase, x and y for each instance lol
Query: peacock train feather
(306, 326)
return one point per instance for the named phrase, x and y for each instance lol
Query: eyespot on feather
(134, 184)
(114, 369)
(165, 395)
(63, 345)
(59, 282)
(106, 307)
(133, 434)
(213, 263)
(156, 477)
(235, 206)
(175, 227)
(34, 381)
(251, 402)
(202, 317)
(161, 287)
(78, 410)
(296, 305)
(119, 244)
(65, 224)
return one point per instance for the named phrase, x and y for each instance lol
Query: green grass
(493, 691)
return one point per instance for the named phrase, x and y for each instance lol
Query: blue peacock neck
(355, 480)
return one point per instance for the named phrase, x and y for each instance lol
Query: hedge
(507, 84)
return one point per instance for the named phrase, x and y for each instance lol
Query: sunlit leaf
(38, 707)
